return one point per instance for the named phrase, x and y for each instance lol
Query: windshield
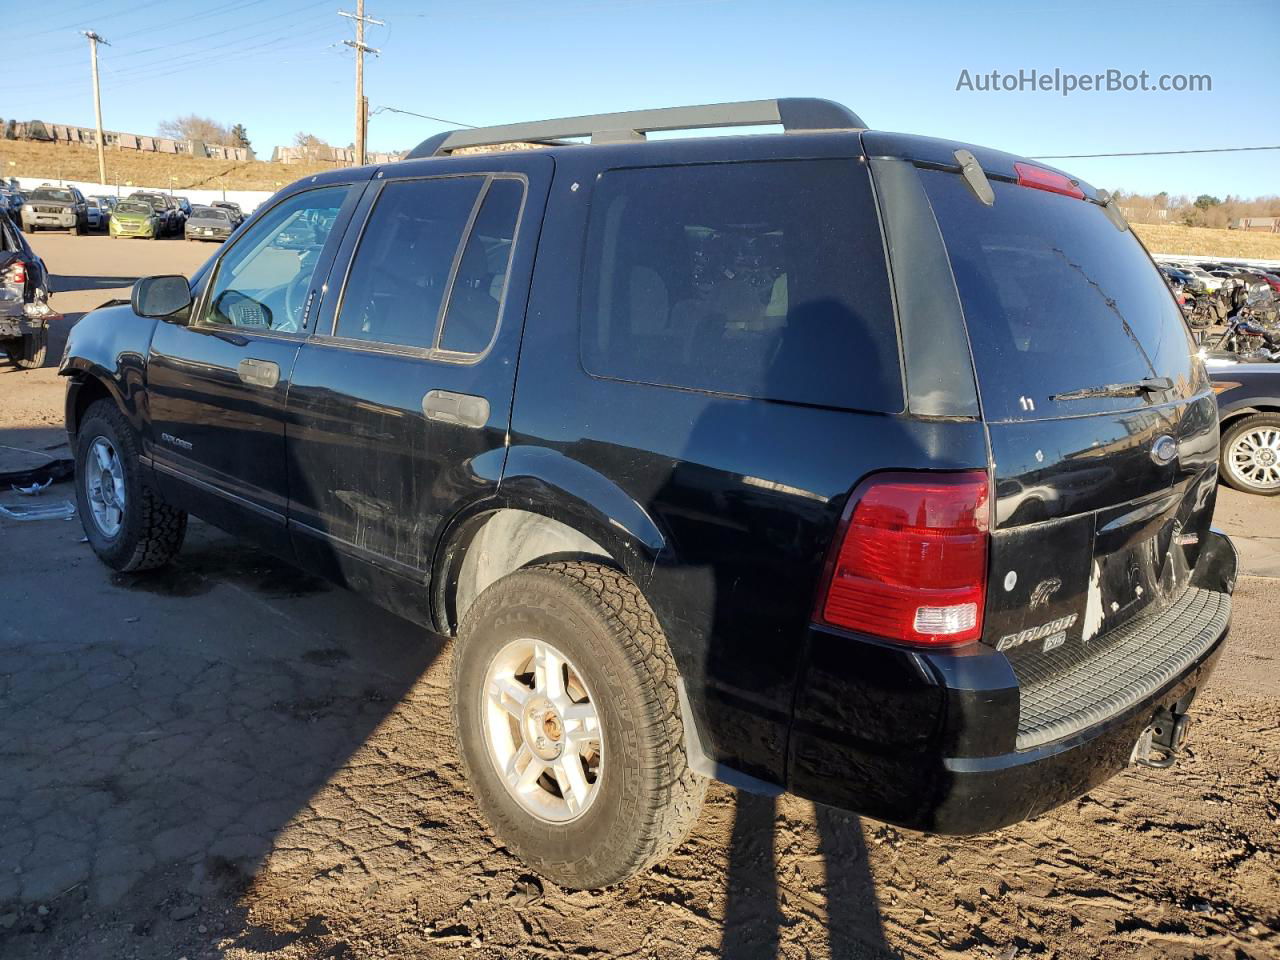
(135, 207)
(208, 213)
(1056, 299)
(58, 196)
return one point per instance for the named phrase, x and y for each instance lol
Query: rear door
(1101, 495)
(217, 384)
(400, 404)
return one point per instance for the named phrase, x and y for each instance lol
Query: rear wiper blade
(1133, 388)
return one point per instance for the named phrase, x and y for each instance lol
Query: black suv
(871, 467)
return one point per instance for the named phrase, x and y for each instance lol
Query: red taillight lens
(1039, 178)
(16, 273)
(911, 564)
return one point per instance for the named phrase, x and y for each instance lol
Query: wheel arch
(1228, 418)
(85, 388)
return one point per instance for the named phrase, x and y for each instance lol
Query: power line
(1148, 153)
(424, 116)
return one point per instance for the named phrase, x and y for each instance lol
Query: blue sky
(279, 66)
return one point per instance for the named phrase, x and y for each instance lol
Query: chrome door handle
(258, 373)
(464, 409)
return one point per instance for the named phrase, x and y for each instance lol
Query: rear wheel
(128, 525)
(30, 352)
(1250, 456)
(568, 719)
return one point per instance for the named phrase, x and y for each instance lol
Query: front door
(400, 401)
(217, 385)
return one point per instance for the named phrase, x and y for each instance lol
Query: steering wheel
(295, 298)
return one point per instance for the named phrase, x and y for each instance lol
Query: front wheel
(127, 523)
(1250, 457)
(568, 720)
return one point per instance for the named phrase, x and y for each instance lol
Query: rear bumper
(928, 740)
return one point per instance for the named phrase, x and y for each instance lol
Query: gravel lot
(232, 759)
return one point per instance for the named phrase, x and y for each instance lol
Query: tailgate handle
(463, 409)
(258, 373)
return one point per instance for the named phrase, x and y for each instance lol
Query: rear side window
(481, 281)
(400, 274)
(1056, 299)
(413, 264)
(759, 279)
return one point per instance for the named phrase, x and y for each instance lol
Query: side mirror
(161, 296)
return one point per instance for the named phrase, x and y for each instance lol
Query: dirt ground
(233, 760)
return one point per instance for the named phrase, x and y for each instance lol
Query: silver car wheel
(1254, 457)
(542, 730)
(104, 484)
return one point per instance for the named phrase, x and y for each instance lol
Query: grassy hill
(1170, 238)
(22, 158)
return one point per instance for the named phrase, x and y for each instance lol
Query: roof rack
(794, 113)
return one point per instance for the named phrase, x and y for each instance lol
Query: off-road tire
(31, 354)
(650, 798)
(152, 531)
(1229, 437)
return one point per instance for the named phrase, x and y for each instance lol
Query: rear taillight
(911, 560)
(1029, 175)
(15, 273)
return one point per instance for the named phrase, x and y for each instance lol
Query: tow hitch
(1162, 741)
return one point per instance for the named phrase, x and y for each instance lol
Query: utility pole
(94, 40)
(361, 49)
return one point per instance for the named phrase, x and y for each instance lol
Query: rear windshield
(1056, 299)
(757, 279)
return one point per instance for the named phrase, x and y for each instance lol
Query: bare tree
(311, 145)
(192, 126)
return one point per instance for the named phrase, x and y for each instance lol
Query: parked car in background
(1208, 280)
(94, 214)
(876, 468)
(1249, 415)
(237, 215)
(135, 218)
(11, 205)
(24, 299)
(208, 223)
(166, 211)
(55, 208)
(184, 207)
(106, 203)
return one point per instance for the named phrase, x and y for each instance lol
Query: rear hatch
(1103, 435)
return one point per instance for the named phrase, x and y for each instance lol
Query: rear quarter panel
(737, 499)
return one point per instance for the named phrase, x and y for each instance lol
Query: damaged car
(758, 458)
(24, 300)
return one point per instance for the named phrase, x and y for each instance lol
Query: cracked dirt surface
(230, 759)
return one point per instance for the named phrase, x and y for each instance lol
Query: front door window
(263, 281)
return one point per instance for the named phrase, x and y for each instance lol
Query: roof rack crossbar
(793, 113)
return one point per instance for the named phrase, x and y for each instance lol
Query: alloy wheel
(542, 730)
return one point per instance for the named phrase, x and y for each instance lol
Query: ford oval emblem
(1164, 450)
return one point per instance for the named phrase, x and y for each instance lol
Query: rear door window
(756, 279)
(400, 274)
(1056, 299)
